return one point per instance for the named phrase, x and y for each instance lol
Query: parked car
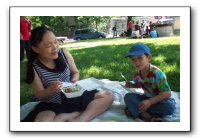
(87, 33)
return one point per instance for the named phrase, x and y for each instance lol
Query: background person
(142, 29)
(135, 34)
(130, 28)
(153, 33)
(137, 31)
(146, 32)
(137, 27)
(114, 31)
(25, 27)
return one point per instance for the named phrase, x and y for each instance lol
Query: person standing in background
(115, 30)
(133, 22)
(151, 27)
(130, 28)
(130, 25)
(142, 29)
(137, 28)
(25, 27)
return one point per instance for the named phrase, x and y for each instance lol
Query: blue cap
(138, 49)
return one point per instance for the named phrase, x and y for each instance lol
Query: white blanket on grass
(115, 113)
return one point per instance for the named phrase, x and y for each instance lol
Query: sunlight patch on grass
(168, 68)
(93, 70)
(113, 64)
(96, 61)
(159, 58)
(120, 40)
(171, 68)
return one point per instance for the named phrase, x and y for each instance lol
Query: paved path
(71, 39)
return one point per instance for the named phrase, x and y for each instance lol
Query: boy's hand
(128, 84)
(144, 105)
(56, 85)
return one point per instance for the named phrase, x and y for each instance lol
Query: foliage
(60, 24)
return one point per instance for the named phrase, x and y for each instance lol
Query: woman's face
(47, 49)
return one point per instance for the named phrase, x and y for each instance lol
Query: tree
(129, 18)
(60, 24)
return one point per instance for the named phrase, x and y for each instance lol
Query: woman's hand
(144, 105)
(55, 86)
(128, 84)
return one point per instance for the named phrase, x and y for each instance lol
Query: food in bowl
(71, 89)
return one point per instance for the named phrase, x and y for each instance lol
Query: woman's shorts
(68, 105)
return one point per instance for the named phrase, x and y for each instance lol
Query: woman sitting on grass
(47, 67)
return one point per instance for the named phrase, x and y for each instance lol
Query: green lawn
(104, 59)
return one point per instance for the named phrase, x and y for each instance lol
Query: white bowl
(72, 94)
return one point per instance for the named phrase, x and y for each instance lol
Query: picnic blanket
(115, 113)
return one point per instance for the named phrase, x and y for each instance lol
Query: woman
(47, 67)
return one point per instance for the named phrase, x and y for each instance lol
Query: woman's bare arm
(39, 90)
(73, 68)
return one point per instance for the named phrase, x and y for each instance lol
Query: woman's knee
(109, 95)
(45, 116)
(105, 94)
(44, 119)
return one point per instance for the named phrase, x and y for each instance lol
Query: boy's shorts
(68, 105)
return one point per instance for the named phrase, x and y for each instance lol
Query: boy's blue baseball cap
(138, 49)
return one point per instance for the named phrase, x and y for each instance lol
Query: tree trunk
(129, 18)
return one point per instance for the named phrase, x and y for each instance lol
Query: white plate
(139, 91)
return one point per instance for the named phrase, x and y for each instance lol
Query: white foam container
(88, 84)
(73, 94)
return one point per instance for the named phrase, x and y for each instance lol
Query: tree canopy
(64, 25)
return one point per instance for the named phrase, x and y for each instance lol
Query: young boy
(156, 101)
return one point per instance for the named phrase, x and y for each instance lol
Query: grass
(104, 59)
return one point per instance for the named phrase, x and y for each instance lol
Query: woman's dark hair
(35, 38)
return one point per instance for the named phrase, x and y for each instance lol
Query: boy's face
(140, 62)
